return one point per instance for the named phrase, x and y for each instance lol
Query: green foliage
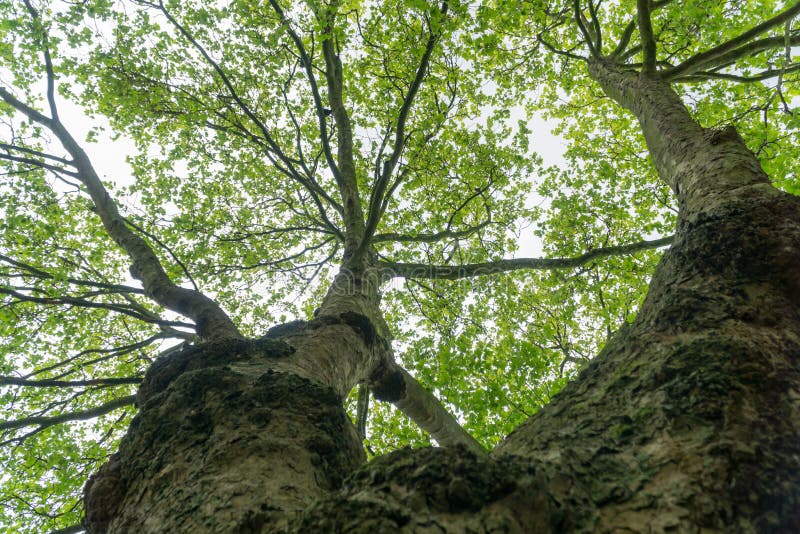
(215, 185)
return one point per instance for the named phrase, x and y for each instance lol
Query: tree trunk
(224, 442)
(238, 435)
(688, 421)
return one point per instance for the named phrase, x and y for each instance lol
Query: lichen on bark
(216, 450)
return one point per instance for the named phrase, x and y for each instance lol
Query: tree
(341, 146)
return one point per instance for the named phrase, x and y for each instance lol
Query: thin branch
(36, 153)
(627, 33)
(38, 163)
(47, 383)
(84, 303)
(272, 263)
(378, 191)
(598, 35)
(748, 50)
(36, 272)
(211, 320)
(757, 77)
(586, 35)
(624, 39)
(454, 272)
(428, 238)
(48, 63)
(308, 182)
(44, 421)
(161, 244)
(553, 49)
(787, 58)
(308, 66)
(108, 353)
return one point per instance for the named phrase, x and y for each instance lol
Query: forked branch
(211, 321)
(377, 197)
(708, 59)
(587, 35)
(308, 66)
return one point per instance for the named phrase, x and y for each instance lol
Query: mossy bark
(688, 421)
(223, 443)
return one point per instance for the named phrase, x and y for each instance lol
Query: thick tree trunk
(688, 421)
(239, 435)
(691, 416)
(226, 440)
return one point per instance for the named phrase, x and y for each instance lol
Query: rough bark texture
(223, 443)
(690, 418)
(688, 421)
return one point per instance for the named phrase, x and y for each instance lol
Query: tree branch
(107, 354)
(586, 35)
(709, 58)
(757, 77)
(308, 66)
(306, 181)
(48, 63)
(624, 39)
(646, 36)
(378, 191)
(132, 311)
(454, 272)
(627, 33)
(164, 246)
(43, 275)
(44, 421)
(553, 49)
(36, 153)
(422, 407)
(211, 321)
(47, 383)
(38, 163)
(346, 181)
(750, 49)
(598, 35)
(428, 238)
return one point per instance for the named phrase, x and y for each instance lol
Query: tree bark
(227, 439)
(688, 421)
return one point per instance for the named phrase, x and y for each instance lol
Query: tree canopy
(270, 138)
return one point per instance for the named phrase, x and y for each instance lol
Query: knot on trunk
(387, 384)
(717, 136)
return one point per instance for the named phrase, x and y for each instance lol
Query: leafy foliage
(233, 184)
